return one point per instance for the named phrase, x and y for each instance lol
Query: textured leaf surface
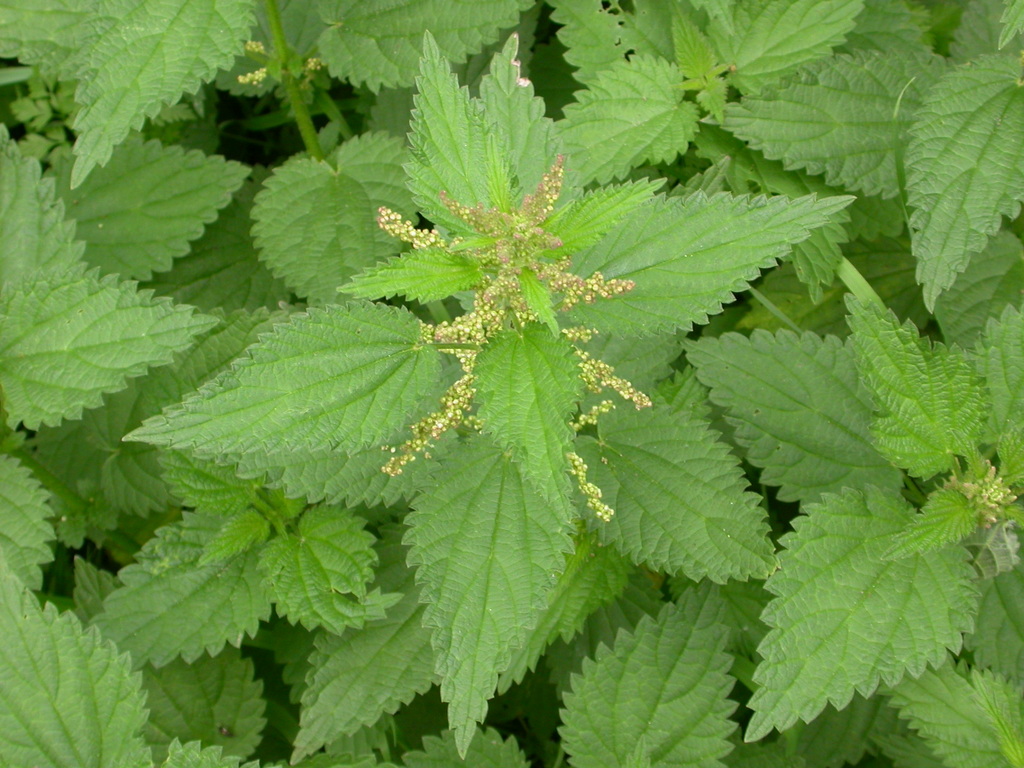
(108, 332)
(632, 113)
(396, 662)
(67, 698)
(428, 274)
(318, 575)
(798, 408)
(844, 619)
(378, 42)
(930, 401)
(24, 528)
(215, 700)
(1013, 19)
(841, 737)
(32, 225)
(688, 256)
(145, 56)
(143, 208)
(44, 32)
(998, 639)
(766, 39)
(344, 376)
(528, 383)
(590, 33)
(192, 755)
(965, 167)
(586, 220)
(167, 582)
(488, 549)
(678, 494)
(316, 221)
(488, 750)
(838, 117)
(999, 357)
(942, 705)
(665, 683)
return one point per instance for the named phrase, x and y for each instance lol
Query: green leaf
(678, 494)
(931, 404)
(488, 549)
(378, 42)
(167, 582)
(109, 332)
(844, 618)
(528, 384)
(488, 750)
(632, 113)
(32, 226)
(689, 256)
(92, 585)
(964, 167)
(889, 26)
(798, 409)
(845, 117)
(594, 575)
(239, 533)
(215, 700)
(222, 269)
(947, 517)
(44, 32)
(993, 278)
(143, 208)
(427, 274)
(767, 39)
(538, 299)
(318, 575)
(206, 486)
(1013, 21)
(396, 662)
(665, 683)
(192, 755)
(836, 738)
(69, 699)
(144, 58)
(24, 528)
(584, 221)
(999, 358)
(591, 33)
(998, 638)
(943, 706)
(316, 221)
(693, 54)
(346, 376)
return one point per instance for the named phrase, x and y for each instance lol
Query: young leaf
(192, 755)
(347, 376)
(240, 533)
(999, 357)
(632, 113)
(318, 575)
(35, 235)
(931, 402)
(943, 706)
(69, 699)
(143, 58)
(688, 256)
(24, 529)
(665, 683)
(693, 54)
(488, 750)
(214, 700)
(538, 299)
(167, 582)
(378, 42)
(528, 384)
(998, 638)
(844, 618)
(316, 221)
(767, 39)
(964, 167)
(1013, 21)
(488, 549)
(678, 494)
(947, 517)
(427, 274)
(109, 332)
(395, 662)
(798, 408)
(143, 208)
(839, 117)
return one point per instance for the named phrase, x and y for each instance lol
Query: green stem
(269, 511)
(859, 287)
(743, 670)
(439, 312)
(326, 103)
(284, 55)
(456, 345)
(774, 310)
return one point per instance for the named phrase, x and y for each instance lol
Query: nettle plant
(672, 421)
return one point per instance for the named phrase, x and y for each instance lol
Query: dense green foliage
(633, 383)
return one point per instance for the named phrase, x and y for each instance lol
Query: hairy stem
(859, 287)
(284, 55)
